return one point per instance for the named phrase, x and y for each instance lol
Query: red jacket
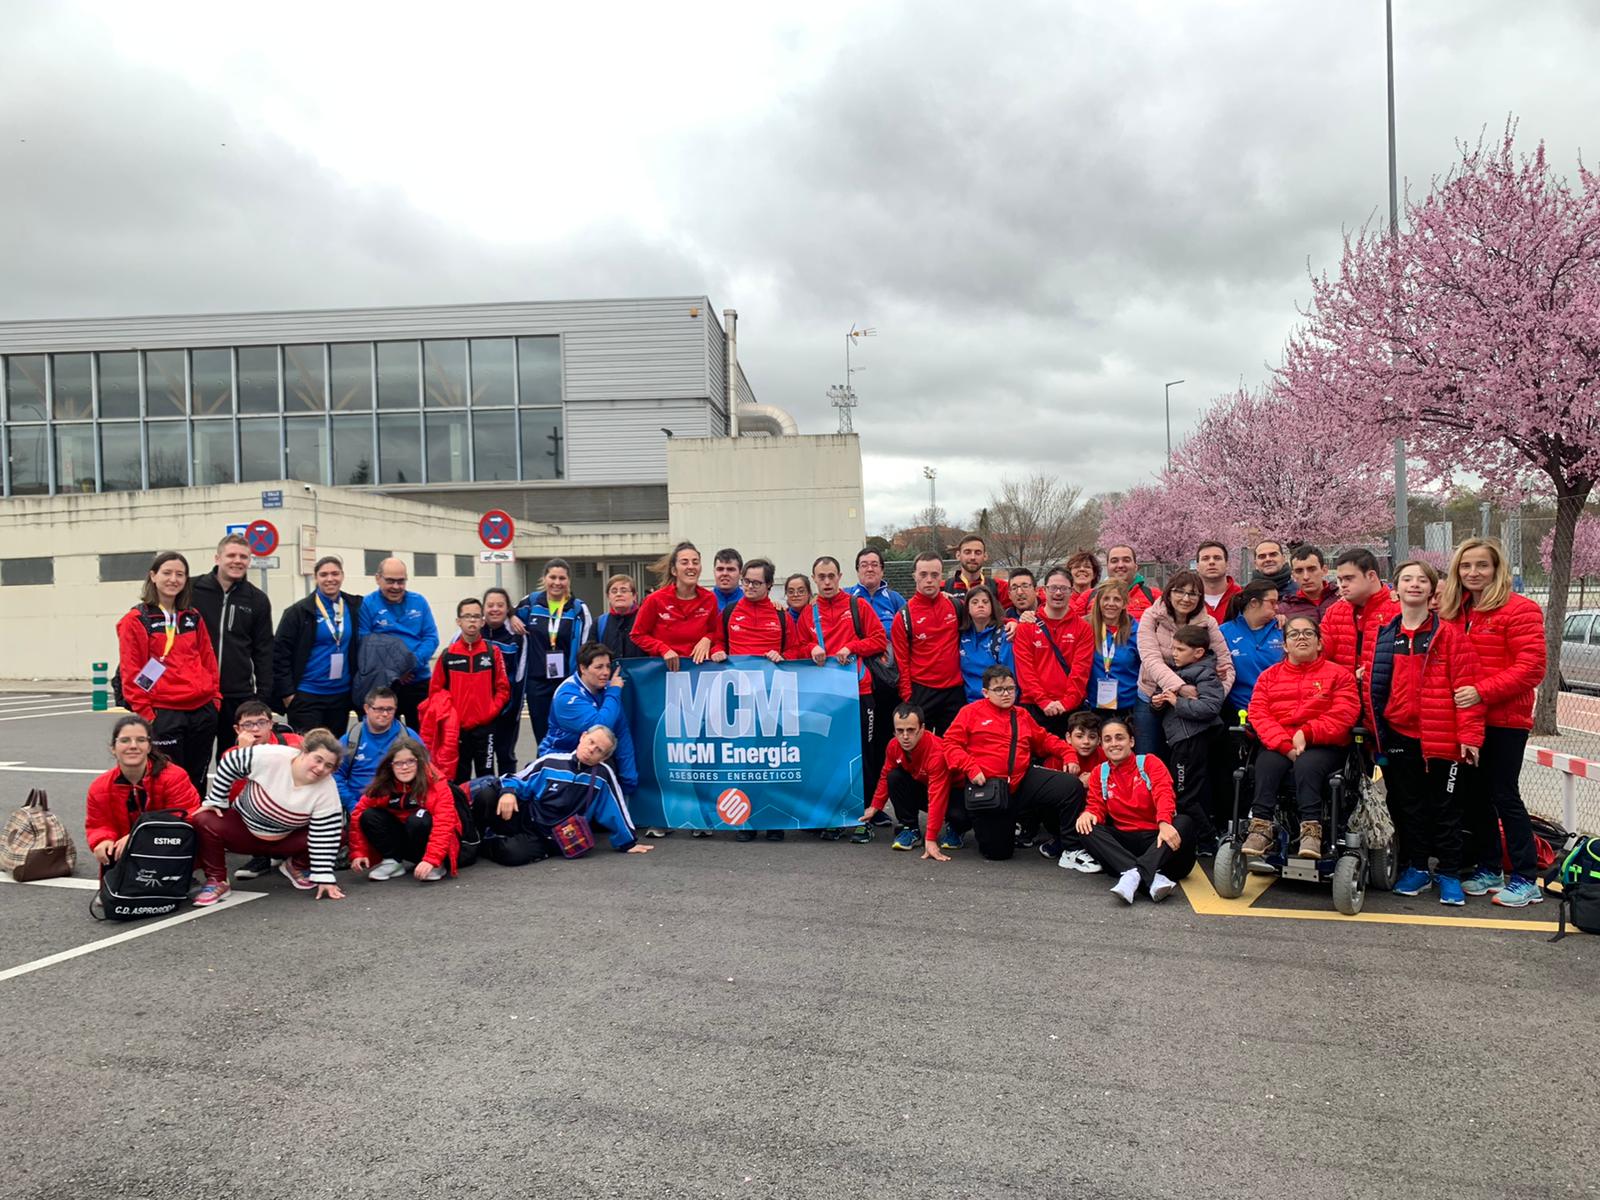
(958, 583)
(1345, 633)
(758, 627)
(190, 681)
(274, 738)
(1509, 643)
(1140, 597)
(927, 765)
(666, 622)
(440, 730)
(979, 742)
(1085, 765)
(1219, 610)
(1125, 801)
(840, 617)
(933, 659)
(108, 816)
(1078, 606)
(1448, 663)
(475, 678)
(1319, 697)
(1039, 670)
(438, 802)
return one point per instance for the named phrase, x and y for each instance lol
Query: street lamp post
(1402, 516)
(1169, 388)
(930, 474)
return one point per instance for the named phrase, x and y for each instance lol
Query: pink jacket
(1156, 628)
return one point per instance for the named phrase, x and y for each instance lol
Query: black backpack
(1579, 875)
(471, 840)
(151, 879)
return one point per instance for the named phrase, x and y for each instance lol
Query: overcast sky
(1046, 210)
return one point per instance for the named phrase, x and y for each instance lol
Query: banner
(744, 742)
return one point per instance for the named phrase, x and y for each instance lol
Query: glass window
(424, 563)
(398, 385)
(74, 387)
(494, 444)
(1576, 630)
(125, 566)
(258, 450)
(305, 439)
(75, 458)
(399, 448)
(258, 379)
(27, 572)
(543, 443)
(163, 383)
(213, 452)
(169, 453)
(351, 364)
(119, 386)
(539, 367)
(466, 566)
(29, 448)
(444, 374)
(373, 559)
(304, 382)
(212, 382)
(352, 450)
(493, 367)
(119, 457)
(25, 387)
(447, 447)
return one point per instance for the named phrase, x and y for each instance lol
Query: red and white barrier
(1572, 769)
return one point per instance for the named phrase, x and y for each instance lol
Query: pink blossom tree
(1585, 548)
(1476, 334)
(1164, 521)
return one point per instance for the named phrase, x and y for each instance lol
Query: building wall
(787, 499)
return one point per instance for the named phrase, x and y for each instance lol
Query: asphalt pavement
(780, 1020)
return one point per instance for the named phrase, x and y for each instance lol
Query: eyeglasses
(374, 711)
(256, 723)
(1001, 691)
(391, 582)
(133, 741)
(1189, 592)
(1058, 587)
(1300, 635)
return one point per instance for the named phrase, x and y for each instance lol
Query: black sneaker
(254, 869)
(745, 835)
(881, 818)
(774, 835)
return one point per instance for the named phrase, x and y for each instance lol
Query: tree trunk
(1570, 499)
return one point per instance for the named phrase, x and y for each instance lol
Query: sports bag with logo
(35, 844)
(151, 878)
(572, 836)
(1579, 874)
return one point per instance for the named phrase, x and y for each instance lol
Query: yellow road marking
(1203, 898)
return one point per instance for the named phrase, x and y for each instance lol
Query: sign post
(263, 538)
(496, 530)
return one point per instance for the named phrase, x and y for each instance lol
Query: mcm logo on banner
(732, 704)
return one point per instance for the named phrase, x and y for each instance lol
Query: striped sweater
(272, 806)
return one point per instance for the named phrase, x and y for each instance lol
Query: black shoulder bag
(994, 795)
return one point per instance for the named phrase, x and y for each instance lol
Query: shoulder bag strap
(727, 615)
(816, 624)
(1050, 640)
(1011, 758)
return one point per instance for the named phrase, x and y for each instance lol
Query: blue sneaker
(906, 839)
(1052, 849)
(1519, 893)
(949, 839)
(1450, 891)
(1481, 882)
(1413, 881)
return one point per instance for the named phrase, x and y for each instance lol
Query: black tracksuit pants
(390, 837)
(1425, 800)
(186, 737)
(1493, 801)
(1123, 850)
(307, 712)
(1310, 770)
(472, 753)
(908, 796)
(1042, 797)
(1191, 776)
(939, 705)
(504, 731)
(507, 842)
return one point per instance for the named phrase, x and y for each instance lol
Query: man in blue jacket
(590, 697)
(558, 786)
(394, 610)
(366, 744)
(870, 586)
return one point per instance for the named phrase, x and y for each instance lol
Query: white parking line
(22, 701)
(116, 939)
(71, 712)
(41, 702)
(27, 770)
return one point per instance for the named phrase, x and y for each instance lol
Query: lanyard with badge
(335, 628)
(156, 667)
(555, 663)
(1105, 691)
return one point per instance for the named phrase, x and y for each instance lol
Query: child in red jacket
(407, 814)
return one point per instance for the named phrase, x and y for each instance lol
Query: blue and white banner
(744, 742)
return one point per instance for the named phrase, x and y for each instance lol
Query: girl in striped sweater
(289, 809)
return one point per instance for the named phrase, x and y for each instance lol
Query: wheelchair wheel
(1228, 870)
(1383, 867)
(1349, 884)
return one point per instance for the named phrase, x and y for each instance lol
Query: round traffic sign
(262, 536)
(496, 529)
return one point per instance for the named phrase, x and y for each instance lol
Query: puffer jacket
(1347, 635)
(1509, 643)
(1156, 630)
(1449, 662)
(1318, 697)
(114, 802)
(444, 840)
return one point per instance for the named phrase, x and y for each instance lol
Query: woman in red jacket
(143, 780)
(1419, 664)
(680, 618)
(1507, 634)
(407, 814)
(1131, 822)
(169, 667)
(1302, 710)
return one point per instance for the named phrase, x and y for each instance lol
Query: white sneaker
(1161, 887)
(389, 868)
(1125, 887)
(1080, 860)
(434, 875)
